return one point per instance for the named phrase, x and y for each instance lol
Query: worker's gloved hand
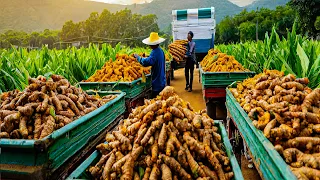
(136, 56)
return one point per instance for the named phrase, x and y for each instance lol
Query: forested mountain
(37, 15)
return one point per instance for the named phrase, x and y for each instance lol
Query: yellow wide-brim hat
(153, 39)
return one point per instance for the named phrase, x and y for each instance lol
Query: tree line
(122, 26)
(247, 26)
(130, 28)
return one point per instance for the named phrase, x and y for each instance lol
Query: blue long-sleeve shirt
(158, 63)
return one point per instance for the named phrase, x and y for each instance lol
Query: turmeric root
(152, 107)
(176, 112)
(132, 129)
(211, 174)
(148, 117)
(181, 125)
(147, 136)
(308, 160)
(173, 164)
(214, 162)
(107, 166)
(167, 92)
(182, 158)
(269, 126)
(188, 114)
(264, 120)
(48, 127)
(308, 172)
(196, 170)
(166, 172)
(162, 137)
(167, 116)
(141, 134)
(155, 172)
(283, 131)
(23, 127)
(194, 145)
(37, 126)
(154, 151)
(123, 139)
(127, 169)
(4, 135)
(147, 174)
(196, 122)
(108, 146)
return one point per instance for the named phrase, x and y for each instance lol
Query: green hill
(37, 15)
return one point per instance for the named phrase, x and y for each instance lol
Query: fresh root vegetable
(194, 166)
(164, 145)
(127, 169)
(176, 112)
(107, 166)
(307, 172)
(196, 121)
(175, 165)
(155, 172)
(166, 172)
(215, 61)
(124, 69)
(288, 113)
(212, 174)
(292, 155)
(45, 105)
(147, 174)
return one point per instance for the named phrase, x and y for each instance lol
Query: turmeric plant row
(215, 61)
(178, 49)
(167, 140)
(288, 113)
(124, 69)
(44, 106)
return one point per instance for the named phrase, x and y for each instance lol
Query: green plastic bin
(267, 160)
(82, 173)
(38, 159)
(132, 89)
(222, 79)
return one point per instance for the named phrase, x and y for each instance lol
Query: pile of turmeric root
(164, 139)
(215, 61)
(44, 106)
(125, 68)
(288, 113)
(178, 49)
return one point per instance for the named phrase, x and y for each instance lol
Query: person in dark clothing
(157, 62)
(190, 62)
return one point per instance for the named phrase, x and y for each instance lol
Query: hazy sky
(127, 2)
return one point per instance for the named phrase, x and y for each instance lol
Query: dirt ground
(196, 99)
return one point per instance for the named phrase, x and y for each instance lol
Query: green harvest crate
(38, 159)
(132, 89)
(222, 79)
(82, 173)
(268, 161)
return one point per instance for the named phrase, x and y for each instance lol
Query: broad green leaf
(304, 60)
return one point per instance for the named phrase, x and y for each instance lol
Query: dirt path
(195, 97)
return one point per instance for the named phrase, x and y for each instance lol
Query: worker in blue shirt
(157, 61)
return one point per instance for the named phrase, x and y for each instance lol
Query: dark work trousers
(188, 72)
(154, 94)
